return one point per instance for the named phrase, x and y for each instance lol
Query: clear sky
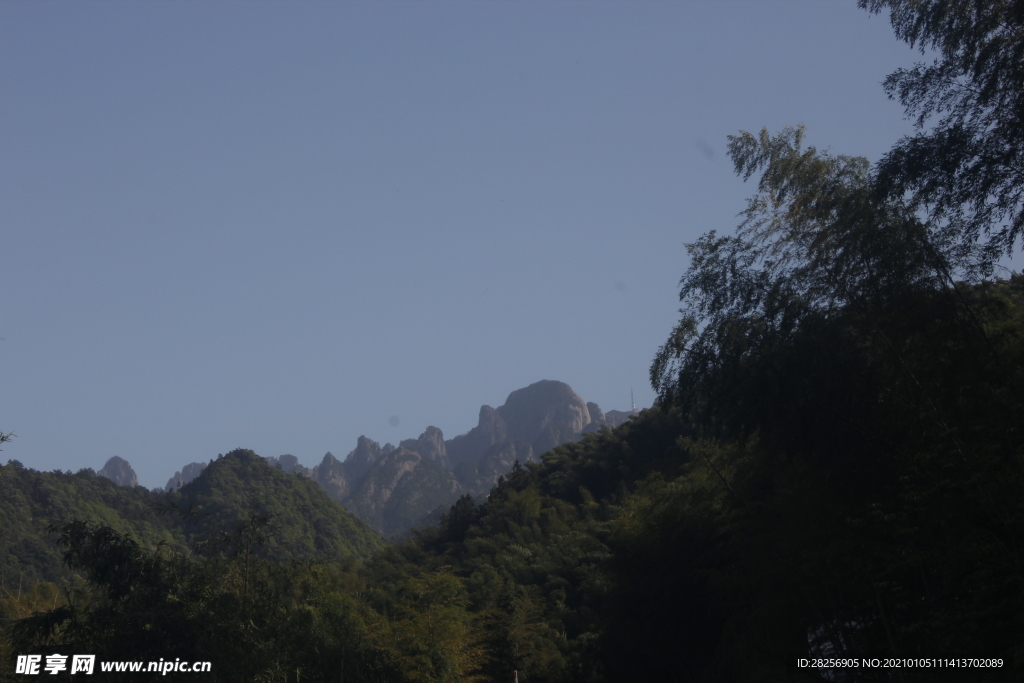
(279, 226)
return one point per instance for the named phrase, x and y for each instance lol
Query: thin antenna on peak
(632, 403)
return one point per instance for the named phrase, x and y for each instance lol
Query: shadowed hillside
(304, 523)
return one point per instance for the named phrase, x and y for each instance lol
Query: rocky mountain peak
(492, 424)
(359, 461)
(329, 462)
(429, 445)
(330, 474)
(288, 463)
(544, 411)
(185, 475)
(120, 472)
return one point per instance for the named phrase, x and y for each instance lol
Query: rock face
(532, 421)
(288, 463)
(394, 489)
(611, 419)
(330, 474)
(430, 445)
(120, 472)
(541, 411)
(363, 458)
(490, 429)
(401, 488)
(390, 488)
(187, 474)
(614, 418)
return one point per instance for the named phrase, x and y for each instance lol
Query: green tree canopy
(965, 166)
(815, 241)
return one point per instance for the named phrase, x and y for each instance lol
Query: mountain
(401, 488)
(185, 475)
(391, 488)
(394, 489)
(288, 463)
(532, 421)
(120, 472)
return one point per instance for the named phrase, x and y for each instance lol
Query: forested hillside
(304, 522)
(834, 468)
(31, 501)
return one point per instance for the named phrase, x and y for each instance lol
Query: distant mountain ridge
(395, 488)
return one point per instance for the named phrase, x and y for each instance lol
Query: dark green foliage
(964, 166)
(531, 564)
(304, 522)
(854, 481)
(815, 242)
(870, 501)
(251, 618)
(457, 521)
(31, 501)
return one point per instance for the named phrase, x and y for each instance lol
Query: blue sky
(282, 225)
